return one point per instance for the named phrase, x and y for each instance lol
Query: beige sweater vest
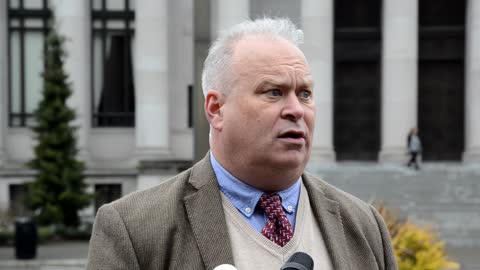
(252, 250)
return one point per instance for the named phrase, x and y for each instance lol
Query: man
(248, 202)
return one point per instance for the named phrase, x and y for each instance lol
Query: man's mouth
(292, 134)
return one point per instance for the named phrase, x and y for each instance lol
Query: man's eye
(274, 92)
(305, 94)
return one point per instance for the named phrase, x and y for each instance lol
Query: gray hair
(220, 52)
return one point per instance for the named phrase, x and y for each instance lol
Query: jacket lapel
(327, 213)
(206, 216)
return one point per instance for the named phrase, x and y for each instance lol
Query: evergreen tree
(58, 191)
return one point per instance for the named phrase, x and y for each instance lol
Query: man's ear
(213, 105)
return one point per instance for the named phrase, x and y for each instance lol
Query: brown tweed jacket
(180, 224)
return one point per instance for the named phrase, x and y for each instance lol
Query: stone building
(380, 68)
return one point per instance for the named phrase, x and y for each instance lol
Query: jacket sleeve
(110, 244)
(390, 262)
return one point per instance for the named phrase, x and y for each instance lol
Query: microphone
(225, 267)
(298, 261)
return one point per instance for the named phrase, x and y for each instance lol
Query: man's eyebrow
(305, 82)
(274, 82)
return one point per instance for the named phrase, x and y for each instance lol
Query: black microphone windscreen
(299, 261)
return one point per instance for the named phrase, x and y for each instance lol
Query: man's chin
(291, 161)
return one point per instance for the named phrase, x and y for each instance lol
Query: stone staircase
(445, 196)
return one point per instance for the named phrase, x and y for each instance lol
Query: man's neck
(261, 176)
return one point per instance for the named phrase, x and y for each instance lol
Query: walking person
(414, 146)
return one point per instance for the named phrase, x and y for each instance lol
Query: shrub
(7, 237)
(416, 248)
(45, 234)
(7, 234)
(81, 232)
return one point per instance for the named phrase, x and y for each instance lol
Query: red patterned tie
(277, 228)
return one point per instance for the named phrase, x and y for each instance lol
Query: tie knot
(271, 204)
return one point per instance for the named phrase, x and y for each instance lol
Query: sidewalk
(72, 256)
(53, 256)
(468, 257)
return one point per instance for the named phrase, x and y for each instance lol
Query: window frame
(126, 16)
(22, 14)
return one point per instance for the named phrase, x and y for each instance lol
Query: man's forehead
(266, 52)
(263, 47)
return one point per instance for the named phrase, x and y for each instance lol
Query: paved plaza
(52, 256)
(446, 196)
(72, 256)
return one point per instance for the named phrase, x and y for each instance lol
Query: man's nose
(293, 108)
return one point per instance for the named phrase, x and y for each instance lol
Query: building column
(399, 80)
(202, 35)
(152, 121)
(3, 82)
(211, 16)
(472, 83)
(73, 21)
(317, 23)
(226, 13)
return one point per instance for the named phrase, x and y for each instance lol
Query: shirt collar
(245, 197)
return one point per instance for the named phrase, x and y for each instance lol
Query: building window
(27, 29)
(190, 106)
(105, 193)
(17, 193)
(113, 100)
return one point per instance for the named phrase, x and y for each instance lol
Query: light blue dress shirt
(245, 197)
